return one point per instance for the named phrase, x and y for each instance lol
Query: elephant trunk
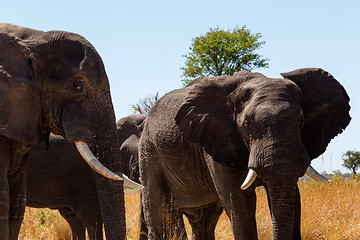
(110, 192)
(279, 165)
(283, 204)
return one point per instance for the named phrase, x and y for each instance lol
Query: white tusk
(131, 184)
(89, 157)
(250, 178)
(311, 172)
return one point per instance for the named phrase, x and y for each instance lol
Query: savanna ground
(329, 211)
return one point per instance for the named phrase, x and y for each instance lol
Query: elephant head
(56, 82)
(279, 124)
(129, 131)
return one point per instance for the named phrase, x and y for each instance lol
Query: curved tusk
(311, 172)
(131, 184)
(89, 157)
(250, 178)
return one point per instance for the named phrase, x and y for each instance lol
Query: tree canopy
(221, 52)
(351, 161)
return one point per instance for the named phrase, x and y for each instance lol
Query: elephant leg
(178, 227)
(143, 230)
(4, 191)
(159, 218)
(241, 208)
(17, 208)
(173, 226)
(240, 205)
(153, 213)
(94, 228)
(297, 214)
(88, 210)
(76, 224)
(17, 187)
(4, 208)
(203, 221)
(159, 211)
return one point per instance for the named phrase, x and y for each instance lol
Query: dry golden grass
(329, 211)
(44, 224)
(132, 203)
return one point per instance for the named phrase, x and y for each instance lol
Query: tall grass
(329, 211)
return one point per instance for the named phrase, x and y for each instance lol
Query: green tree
(221, 52)
(351, 161)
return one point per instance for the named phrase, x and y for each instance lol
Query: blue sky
(142, 43)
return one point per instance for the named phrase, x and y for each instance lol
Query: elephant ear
(206, 118)
(325, 105)
(20, 109)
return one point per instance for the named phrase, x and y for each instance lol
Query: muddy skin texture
(54, 82)
(199, 142)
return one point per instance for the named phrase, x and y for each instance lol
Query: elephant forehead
(275, 109)
(269, 101)
(267, 86)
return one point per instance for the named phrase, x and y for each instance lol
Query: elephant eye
(301, 121)
(77, 85)
(247, 124)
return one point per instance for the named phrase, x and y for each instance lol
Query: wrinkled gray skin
(199, 142)
(60, 179)
(54, 82)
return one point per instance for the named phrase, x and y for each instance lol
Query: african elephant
(55, 82)
(201, 142)
(59, 179)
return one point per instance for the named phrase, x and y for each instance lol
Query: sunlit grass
(132, 203)
(329, 211)
(44, 224)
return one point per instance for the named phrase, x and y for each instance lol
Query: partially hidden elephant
(207, 146)
(58, 178)
(55, 82)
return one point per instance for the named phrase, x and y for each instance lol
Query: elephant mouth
(95, 164)
(310, 171)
